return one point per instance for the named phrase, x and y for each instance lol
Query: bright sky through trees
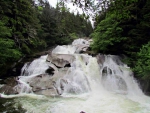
(53, 2)
(72, 8)
(69, 5)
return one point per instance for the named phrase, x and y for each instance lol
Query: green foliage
(21, 17)
(59, 26)
(73, 35)
(25, 49)
(8, 52)
(40, 8)
(106, 35)
(142, 66)
(123, 28)
(18, 31)
(4, 31)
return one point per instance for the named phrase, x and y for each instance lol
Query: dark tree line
(27, 26)
(60, 26)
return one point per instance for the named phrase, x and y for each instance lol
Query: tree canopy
(123, 28)
(27, 26)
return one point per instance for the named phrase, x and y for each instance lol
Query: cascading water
(38, 66)
(118, 77)
(87, 85)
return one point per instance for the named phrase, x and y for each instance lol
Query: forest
(28, 26)
(121, 27)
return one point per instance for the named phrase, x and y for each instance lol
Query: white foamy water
(38, 66)
(90, 87)
(65, 49)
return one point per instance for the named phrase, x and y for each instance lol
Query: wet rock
(60, 60)
(67, 65)
(145, 86)
(100, 59)
(82, 112)
(50, 71)
(8, 90)
(12, 81)
(106, 71)
(81, 48)
(40, 82)
(8, 87)
(47, 92)
(81, 45)
(45, 84)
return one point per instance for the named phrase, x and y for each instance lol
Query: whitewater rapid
(91, 87)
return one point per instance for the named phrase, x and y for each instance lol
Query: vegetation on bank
(27, 26)
(123, 27)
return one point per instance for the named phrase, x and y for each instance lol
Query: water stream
(88, 86)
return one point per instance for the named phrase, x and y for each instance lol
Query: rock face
(145, 85)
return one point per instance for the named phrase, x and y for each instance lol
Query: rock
(145, 85)
(50, 71)
(45, 84)
(106, 71)
(47, 92)
(100, 59)
(81, 45)
(8, 90)
(8, 87)
(41, 82)
(60, 60)
(11, 81)
(81, 48)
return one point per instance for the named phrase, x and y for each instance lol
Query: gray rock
(8, 87)
(60, 60)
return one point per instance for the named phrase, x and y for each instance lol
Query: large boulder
(60, 60)
(43, 84)
(81, 45)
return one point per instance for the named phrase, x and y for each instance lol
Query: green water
(9, 106)
(89, 103)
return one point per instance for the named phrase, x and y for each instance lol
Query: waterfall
(38, 66)
(78, 83)
(118, 77)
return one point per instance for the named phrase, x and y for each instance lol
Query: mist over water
(92, 87)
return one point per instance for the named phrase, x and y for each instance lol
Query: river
(90, 85)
